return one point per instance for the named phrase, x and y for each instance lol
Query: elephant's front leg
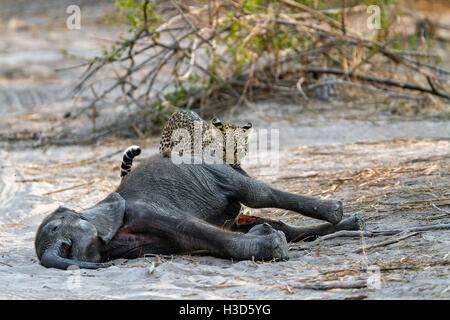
(187, 234)
(256, 194)
(262, 242)
(244, 223)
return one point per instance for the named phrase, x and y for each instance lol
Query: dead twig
(387, 242)
(363, 87)
(319, 285)
(68, 188)
(372, 54)
(389, 82)
(299, 88)
(6, 264)
(440, 209)
(374, 233)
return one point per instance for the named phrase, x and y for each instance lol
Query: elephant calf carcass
(167, 208)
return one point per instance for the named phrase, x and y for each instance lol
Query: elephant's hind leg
(255, 194)
(244, 223)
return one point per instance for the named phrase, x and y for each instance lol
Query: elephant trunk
(54, 257)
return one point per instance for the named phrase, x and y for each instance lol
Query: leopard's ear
(217, 123)
(248, 126)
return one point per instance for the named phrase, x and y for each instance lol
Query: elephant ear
(106, 216)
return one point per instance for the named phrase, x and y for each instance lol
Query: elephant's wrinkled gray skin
(164, 208)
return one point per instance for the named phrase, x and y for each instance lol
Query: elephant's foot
(266, 244)
(331, 210)
(354, 222)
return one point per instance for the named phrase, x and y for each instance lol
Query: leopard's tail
(127, 160)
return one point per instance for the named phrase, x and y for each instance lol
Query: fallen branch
(358, 284)
(387, 242)
(363, 87)
(442, 262)
(347, 233)
(388, 82)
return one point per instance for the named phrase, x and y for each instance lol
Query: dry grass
(371, 179)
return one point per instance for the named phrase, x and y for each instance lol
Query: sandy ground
(388, 162)
(392, 184)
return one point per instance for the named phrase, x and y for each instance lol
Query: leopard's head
(235, 140)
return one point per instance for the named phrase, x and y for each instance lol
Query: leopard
(217, 137)
(190, 121)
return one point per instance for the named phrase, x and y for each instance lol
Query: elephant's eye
(55, 227)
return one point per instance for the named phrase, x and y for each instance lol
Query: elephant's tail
(127, 160)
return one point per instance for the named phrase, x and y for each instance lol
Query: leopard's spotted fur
(192, 126)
